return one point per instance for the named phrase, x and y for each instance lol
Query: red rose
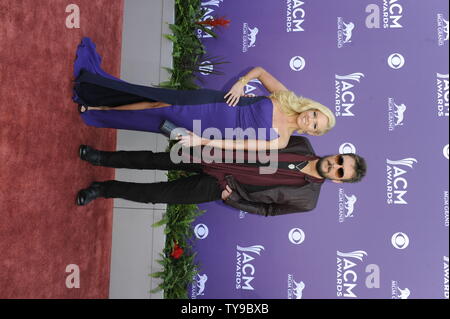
(177, 251)
(216, 22)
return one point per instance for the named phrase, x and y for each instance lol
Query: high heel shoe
(80, 108)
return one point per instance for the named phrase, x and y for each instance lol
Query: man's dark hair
(360, 168)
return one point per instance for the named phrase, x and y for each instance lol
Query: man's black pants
(195, 189)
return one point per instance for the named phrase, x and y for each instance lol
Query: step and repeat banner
(382, 67)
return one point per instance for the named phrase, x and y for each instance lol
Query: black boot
(87, 195)
(91, 155)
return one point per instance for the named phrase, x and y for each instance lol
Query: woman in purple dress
(227, 120)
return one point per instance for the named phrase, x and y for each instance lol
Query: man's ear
(336, 181)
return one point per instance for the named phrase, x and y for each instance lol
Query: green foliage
(178, 273)
(188, 55)
(188, 51)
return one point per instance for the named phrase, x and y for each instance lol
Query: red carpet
(41, 229)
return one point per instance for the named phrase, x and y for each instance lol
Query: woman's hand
(190, 140)
(236, 91)
(226, 192)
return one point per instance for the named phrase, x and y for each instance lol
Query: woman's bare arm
(249, 145)
(192, 140)
(267, 79)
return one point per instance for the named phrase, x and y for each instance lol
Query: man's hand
(226, 192)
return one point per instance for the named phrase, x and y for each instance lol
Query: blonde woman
(290, 113)
(225, 120)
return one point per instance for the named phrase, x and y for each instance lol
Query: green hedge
(188, 52)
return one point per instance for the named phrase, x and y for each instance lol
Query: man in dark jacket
(293, 187)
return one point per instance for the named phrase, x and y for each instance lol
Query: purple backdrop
(382, 66)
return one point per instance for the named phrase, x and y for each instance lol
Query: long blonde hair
(292, 104)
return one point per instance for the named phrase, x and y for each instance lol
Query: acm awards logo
(389, 13)
(245, 270)
(295, 289)
(442, 94)
(295, 15)
(396, 114)
(345, 32)
(347, 273)
(251, 86)
(442, 29)
(209, 6)
(396, 182)
(248, 37)
(345, 97)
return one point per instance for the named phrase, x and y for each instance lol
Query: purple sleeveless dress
(214, 120)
